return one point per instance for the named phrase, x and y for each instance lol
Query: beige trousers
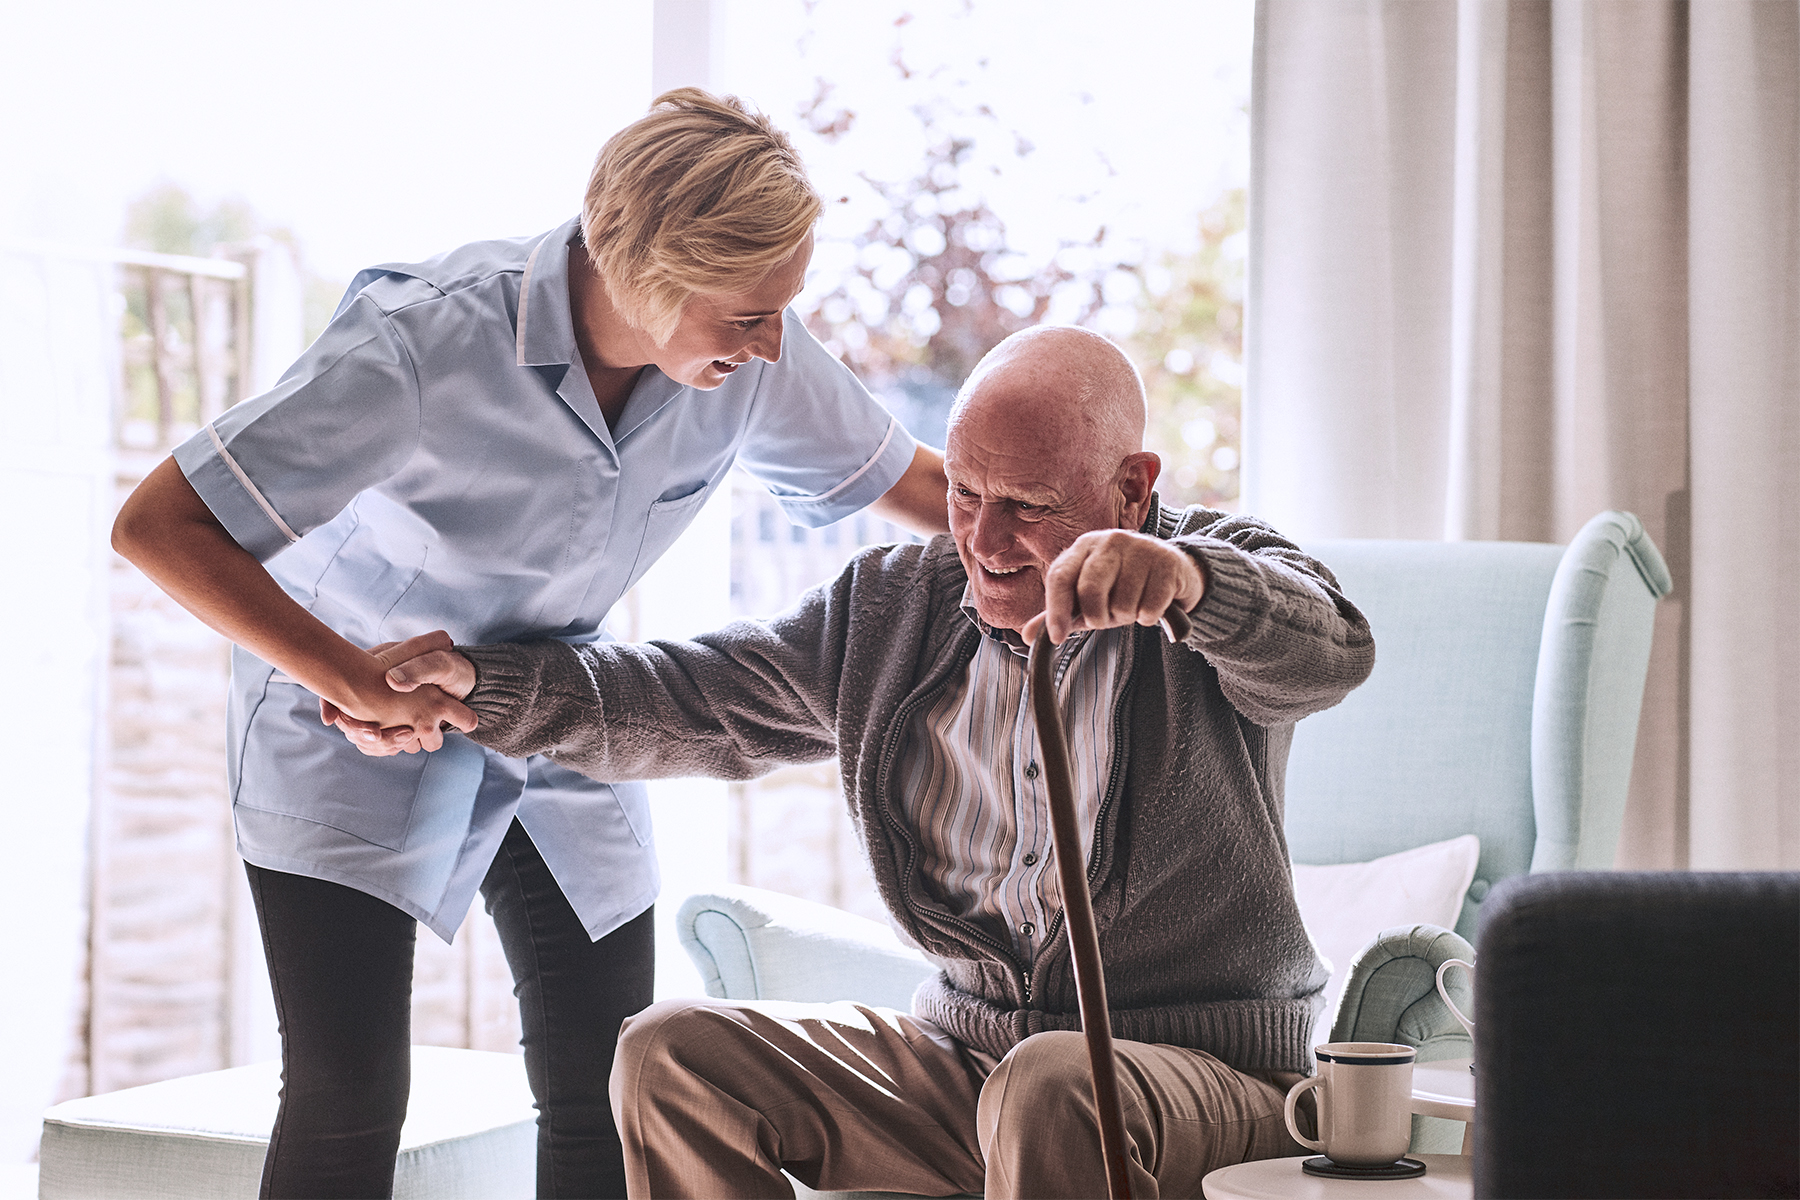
(716, 1098)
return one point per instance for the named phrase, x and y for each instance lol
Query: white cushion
(470, 1132)
(1345, 905)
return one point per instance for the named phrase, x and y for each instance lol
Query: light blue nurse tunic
(437, 460)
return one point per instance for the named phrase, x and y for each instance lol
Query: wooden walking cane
(1078, 909)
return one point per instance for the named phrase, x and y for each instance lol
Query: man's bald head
(1045, 444)
(1062, 377)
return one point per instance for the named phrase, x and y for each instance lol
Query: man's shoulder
(898, 566)
(1197, 520)
(1168, 521)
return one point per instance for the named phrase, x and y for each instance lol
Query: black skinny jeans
(341, 965)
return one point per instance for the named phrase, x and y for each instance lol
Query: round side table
(1446, 1089)
(1446, 1178)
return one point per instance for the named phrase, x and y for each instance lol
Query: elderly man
(910, 667)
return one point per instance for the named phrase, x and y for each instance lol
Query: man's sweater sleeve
(1284, 640)
(732, 704)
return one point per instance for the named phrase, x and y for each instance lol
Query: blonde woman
(496, 442)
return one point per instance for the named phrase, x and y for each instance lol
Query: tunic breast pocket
(665, 523)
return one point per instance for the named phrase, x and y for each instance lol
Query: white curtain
(1517, 261)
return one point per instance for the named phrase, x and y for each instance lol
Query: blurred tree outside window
(960, 210)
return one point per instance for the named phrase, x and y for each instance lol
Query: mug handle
(1444, 993)
(1287, 1111)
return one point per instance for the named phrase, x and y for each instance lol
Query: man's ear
(1135, 480)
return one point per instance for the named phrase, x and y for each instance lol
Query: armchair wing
(1504, 703)
(1591, 664)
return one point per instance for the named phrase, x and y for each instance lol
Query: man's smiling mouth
(1002, 571)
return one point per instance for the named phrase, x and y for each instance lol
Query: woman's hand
(412, 711)
(169, 533)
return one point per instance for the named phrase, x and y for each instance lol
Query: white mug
(1364, 1102)
(1462, 1018)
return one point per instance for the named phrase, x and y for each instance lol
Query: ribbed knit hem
(1250, 1035)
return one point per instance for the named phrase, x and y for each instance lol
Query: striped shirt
(973, 786)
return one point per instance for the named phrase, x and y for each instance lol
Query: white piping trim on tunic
(893, 424)
(244, 479)
(524, 295)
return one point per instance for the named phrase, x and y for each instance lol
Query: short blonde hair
(701, 195)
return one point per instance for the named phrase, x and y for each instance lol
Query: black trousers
(341, 965)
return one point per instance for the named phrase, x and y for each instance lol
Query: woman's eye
(747, 326)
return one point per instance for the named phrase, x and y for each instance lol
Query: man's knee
(654, 1024)
(650, 1046)
(1046, 1071)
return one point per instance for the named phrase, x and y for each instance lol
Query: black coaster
(1406, 1168)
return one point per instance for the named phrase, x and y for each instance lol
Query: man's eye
(747, 326)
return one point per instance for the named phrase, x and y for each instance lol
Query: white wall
(58, 351)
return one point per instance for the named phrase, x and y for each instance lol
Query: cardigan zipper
(889, 749)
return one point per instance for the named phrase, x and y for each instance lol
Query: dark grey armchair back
(1638, 1034)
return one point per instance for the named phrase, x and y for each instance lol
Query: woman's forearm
(919, 499)
(168, 533)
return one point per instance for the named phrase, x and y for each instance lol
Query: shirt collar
(546, 329)
(1010, 637)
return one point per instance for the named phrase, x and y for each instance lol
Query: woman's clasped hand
(428, 679)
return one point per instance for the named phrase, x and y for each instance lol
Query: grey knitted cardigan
(1192, 891)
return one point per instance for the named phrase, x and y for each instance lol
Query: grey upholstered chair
(1504, 703)
(1639, 1035)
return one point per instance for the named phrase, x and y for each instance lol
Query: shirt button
(1031, 770)
(1027, 928)
(1030, 859)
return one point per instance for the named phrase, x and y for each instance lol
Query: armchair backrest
(1504, 703)
(1638, 1034)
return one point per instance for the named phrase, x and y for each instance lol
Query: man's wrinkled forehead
(1025, 460)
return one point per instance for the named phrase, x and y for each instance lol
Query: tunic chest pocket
(665, 522)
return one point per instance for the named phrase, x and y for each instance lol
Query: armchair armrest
(1391, 993)
(1391, 996)
(753, 944)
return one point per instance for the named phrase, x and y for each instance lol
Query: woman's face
(720, 333)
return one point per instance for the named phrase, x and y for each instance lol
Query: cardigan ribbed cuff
(1234, 592)
(509, 680)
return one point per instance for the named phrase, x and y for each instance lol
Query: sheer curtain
(1517, 261)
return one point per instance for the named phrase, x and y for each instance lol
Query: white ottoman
(470, 1133)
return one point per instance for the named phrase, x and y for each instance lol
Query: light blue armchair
(1504, 703)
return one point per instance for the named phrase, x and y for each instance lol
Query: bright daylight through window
(989, 165)
(190, 188)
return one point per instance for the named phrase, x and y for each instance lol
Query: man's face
(1021, 492)
(720, 333)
